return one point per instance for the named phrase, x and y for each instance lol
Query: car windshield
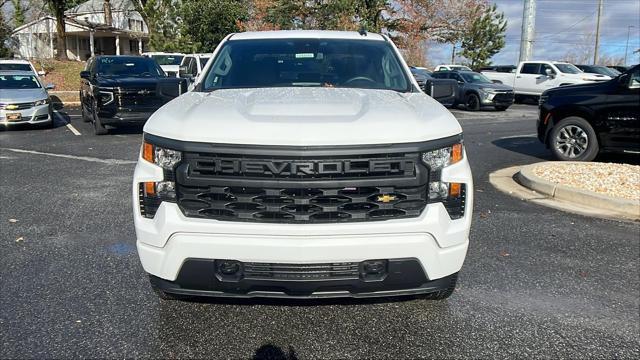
(15, 67)
(342, 63)
(19, 82)
(167, 59)
(605, 71)
(475, 78)
(568, 69)
(128, 66)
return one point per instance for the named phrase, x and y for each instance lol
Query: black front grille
(276, 271)
(142, 96)
(301, 189)
(503, 97)
(302, 205)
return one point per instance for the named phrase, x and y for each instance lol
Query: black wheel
(444, 293)
(472, 102)
(98, 128)
(501, 108)
(573, 139)
(85, 116)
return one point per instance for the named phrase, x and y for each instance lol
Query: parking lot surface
(537, 282)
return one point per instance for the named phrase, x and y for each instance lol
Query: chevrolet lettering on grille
(308, 168)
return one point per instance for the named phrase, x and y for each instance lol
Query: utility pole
(528, 30)
(626, 48)
(453, 52)
(595, 52)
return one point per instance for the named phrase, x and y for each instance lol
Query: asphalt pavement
(537, 282)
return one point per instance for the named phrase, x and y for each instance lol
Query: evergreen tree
(485, 37)
(18, 13)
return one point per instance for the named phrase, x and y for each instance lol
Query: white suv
(303, 164)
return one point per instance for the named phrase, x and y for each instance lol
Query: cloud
(563, 26)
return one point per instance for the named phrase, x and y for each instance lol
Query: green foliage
(4, 37)
(18, 13)
(206, 22)
(485, 38)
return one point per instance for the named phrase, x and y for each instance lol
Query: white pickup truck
(534, 77)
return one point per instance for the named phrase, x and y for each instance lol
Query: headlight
(153, 193)
(106, 97)
(41, 102)
(452, 195)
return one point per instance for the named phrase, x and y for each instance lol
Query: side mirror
(496, 81)
(182, 71)
(549, 73)
(49, 86)
(85, 75)
(623, 80)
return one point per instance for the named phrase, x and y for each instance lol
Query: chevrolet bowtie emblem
(11, 107)
(386, 198)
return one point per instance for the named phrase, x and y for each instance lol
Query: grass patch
(65, 75)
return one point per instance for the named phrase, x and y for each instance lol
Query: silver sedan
(24, 99)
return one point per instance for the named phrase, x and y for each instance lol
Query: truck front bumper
(180, 253)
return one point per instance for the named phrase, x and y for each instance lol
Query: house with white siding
(88, 32)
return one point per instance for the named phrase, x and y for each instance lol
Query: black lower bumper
(202, 277)
(124, 116)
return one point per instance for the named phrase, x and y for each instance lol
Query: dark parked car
(599, 69)
(443, 90)
(124, 89)
(499, 68)
(476, 91)
(577, 122)
(620, 68)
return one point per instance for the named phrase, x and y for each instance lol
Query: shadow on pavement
(126, 129)
(272, 352)
(527, 145)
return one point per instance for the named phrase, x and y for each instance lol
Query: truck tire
(573, 139)
(85, 117)
(98, 128)
(472, 102)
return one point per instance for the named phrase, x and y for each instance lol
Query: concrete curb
(624, 207)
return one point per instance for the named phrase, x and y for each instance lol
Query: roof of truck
(306, 34)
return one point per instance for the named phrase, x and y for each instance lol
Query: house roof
(96, 6)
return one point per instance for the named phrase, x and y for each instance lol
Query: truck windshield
(128, 66)
(568, 69)
(475, 78)
(15, 66)
(167, 59)
(336, 63)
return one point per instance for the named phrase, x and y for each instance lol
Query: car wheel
(444, 293)
(98, 128)
(472, 102)
(85, 116)
(501, 108)
(573, 139)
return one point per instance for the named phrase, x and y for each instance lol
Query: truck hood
(303, 117)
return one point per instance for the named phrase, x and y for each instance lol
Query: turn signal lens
(147, 152)
(456, 153)
(455, 189)
(150, 188)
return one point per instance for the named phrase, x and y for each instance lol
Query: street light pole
(626, 48)
(595, 52)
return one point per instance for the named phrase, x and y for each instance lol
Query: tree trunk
(61, 43)
(108, 18)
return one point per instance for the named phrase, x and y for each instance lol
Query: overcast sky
(563, 26)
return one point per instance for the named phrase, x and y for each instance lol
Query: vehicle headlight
(106, 97)
(153, 193)
(41, 102)
(452, 195)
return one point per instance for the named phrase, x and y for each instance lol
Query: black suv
(124, 89)
(476, 91)
(578, 121)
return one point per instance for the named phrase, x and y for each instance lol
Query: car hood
(303, 117)
(579, 89)
(12, 96)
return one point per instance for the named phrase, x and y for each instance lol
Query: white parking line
(83, 158)
(518, 136)
(69, 126)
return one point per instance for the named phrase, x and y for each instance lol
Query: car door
(86, 87)
(532, 80)
(622, 113)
